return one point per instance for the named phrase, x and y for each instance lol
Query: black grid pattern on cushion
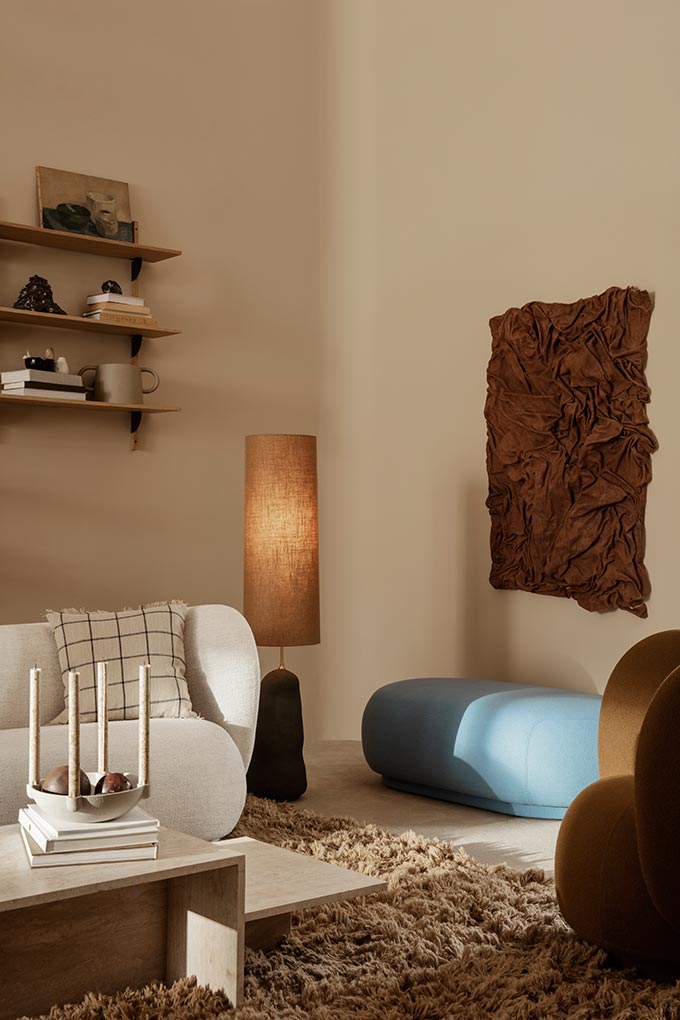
(125, 640)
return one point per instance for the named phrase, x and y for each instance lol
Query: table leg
(267, 932)
(206, 929)
(102, 942)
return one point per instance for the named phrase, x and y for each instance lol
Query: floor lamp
(281, 597)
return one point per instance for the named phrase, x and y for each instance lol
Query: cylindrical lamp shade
(281, 556)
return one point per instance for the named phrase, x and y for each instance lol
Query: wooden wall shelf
(137, 254)
(85, 405)
(83, 243)
(21, 317)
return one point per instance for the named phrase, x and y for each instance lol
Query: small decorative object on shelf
(42, 382)
(67, 790)
(42, 364)
(111, 287)
(36, 296)
(120, 309)
(84, 205)
(119, 383)
(61, 366)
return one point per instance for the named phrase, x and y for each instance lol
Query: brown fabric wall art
(569, 449)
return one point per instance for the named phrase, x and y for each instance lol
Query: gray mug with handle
(118, 384)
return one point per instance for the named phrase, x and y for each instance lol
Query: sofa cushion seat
(513, 748)
(197, 778)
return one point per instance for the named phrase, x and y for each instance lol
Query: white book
(117, 313)
(136, 820)
(31, 391)
(12, 387)
(108, 836)
(114, 299)
(24, 375)
(38, 859)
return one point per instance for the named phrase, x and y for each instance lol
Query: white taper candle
(34, 729)
(144, 697)
(102, 719)
(73, 733)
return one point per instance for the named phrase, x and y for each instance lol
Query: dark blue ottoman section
(506, 747)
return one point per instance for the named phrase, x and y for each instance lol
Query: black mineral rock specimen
(36, 296)
(111, 287)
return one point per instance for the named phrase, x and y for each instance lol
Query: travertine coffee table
(65, 931)
(279, 882)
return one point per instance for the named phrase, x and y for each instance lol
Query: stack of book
(32, 382)
(50, 842)
(119, 309)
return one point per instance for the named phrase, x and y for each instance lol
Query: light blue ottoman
(505, 747)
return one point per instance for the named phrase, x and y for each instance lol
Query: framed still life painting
(81, 204)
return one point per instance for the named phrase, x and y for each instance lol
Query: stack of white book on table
(49, 842)
(34, 382)
(119, 309)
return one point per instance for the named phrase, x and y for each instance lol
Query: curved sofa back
(222, 671)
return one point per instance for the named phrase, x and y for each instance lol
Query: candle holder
(98, 807)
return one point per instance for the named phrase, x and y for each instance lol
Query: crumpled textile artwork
(569, 449)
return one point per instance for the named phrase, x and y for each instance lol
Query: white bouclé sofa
(198, 766)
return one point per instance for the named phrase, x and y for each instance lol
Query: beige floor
(341, 783)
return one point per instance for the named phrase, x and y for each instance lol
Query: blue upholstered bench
(505, 747)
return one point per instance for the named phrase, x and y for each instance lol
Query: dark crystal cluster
(36, 296)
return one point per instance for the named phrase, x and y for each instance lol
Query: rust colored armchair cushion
(657, 799)
(569, 449)
(600, 884)
(616, 862)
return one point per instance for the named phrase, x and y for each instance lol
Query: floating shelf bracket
(135, 267)
(136, 264)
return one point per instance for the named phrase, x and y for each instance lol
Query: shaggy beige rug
(451, 939)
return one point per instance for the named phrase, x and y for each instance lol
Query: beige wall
(489, 154)
(357, 185)
(213, 122)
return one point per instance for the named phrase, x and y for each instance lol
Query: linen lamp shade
(281, 549)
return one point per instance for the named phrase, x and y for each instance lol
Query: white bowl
(95, 807)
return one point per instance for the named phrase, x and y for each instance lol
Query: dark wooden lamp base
(277, 768)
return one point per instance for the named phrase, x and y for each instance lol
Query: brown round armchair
(617, 863)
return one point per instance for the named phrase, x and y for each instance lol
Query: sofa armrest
(223, 672)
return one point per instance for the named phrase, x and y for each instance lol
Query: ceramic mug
(118, 384)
